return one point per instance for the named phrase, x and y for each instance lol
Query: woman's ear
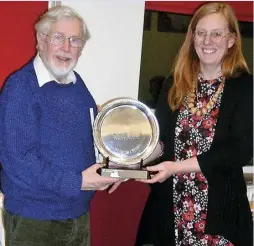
(231, 40)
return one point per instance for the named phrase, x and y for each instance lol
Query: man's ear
(39, 37)
(40, 40)
(81, 49)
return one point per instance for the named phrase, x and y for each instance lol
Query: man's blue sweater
(45, 143)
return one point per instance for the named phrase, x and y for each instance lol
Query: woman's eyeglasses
(215, 36)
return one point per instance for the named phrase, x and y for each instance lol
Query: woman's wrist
(188, 165)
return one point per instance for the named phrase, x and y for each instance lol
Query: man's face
(60, 59)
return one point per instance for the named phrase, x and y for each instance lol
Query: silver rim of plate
(125, 131)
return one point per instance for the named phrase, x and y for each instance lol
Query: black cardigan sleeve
(236, 149)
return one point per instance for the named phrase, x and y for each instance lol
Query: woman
(198, 196)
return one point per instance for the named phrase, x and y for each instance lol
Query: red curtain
(17, 43)
(243, 9)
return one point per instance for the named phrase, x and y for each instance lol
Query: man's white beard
(59, 73)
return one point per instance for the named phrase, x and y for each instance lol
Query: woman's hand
(160, 172)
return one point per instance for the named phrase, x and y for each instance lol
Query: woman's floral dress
(194, 135)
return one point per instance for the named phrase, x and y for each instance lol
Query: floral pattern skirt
(190, 209)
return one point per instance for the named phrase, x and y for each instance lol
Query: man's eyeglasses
(215, 36)
(59, 39)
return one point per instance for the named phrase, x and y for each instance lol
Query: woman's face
(212, 39)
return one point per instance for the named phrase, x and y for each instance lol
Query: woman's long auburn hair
(187, 65)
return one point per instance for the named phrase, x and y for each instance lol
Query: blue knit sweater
(45, 143)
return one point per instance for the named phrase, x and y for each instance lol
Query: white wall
(110, 62)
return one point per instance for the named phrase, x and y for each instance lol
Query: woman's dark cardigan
(228, 211)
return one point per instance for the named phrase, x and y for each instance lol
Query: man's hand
(115, 185)
(91, 180)
(99, 108)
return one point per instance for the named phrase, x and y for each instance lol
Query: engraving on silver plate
(126, 130)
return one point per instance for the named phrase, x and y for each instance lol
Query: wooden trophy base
(124, 173)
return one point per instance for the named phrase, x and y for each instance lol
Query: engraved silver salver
(125, 132)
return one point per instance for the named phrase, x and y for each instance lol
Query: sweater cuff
(71, 185)
(207, 170)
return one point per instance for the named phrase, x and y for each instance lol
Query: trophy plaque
(125, 132)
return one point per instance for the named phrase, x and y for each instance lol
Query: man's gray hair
(60, 13)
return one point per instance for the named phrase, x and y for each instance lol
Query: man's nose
(66, 45)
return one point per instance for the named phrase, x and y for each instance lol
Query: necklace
(205, 109)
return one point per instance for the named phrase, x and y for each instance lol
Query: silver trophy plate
(126, 131)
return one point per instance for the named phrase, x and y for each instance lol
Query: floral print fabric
(193, 136)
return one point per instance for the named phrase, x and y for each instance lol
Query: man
(46, 140)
